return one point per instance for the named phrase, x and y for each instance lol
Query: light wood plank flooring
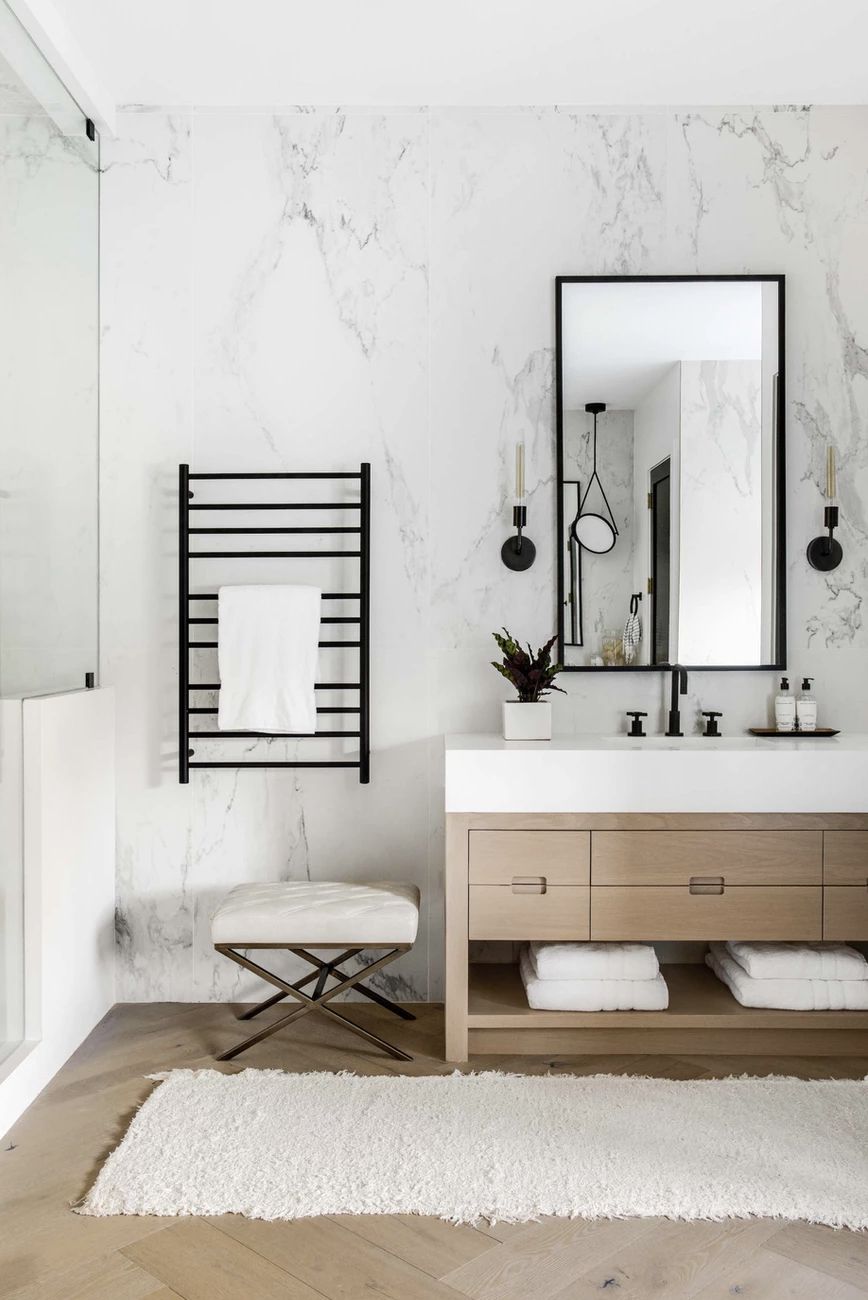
(51, 1156)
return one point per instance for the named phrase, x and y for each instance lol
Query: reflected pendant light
(594, 531)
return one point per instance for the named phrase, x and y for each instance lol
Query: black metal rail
(359, 711)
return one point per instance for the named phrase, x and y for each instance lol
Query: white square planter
(527, 721)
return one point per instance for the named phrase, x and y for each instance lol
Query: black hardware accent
(90, 129)
(574, 551)
(679, 684)
(826, 553)
(362, 530)
(595, 409)
(779, 655)
(335, 474)
(276, 505)
(711, 728)
(183, 614)
(518, 553)
(636, 724)
(365, 625)
(89, 681)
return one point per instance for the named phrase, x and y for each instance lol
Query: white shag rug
(271, 1145)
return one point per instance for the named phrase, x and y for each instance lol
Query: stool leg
(316, 1003)
(366, 1034)
(269, 1002)
(299, 984)
(265, 1032)
(394, 1007)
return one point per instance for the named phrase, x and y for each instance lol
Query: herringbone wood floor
(49, 1159)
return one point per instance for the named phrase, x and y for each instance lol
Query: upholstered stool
(307, 914)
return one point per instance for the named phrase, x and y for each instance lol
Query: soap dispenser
(806, 707)
(785, 708)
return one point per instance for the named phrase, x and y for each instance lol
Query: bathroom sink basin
(613, 774)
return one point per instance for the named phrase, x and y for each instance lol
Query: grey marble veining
(309, 289)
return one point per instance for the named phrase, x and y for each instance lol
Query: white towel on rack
(788, 994)
(267, 652)
(808, 961)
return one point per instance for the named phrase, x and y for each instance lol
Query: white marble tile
(312, 289)
(147, 422)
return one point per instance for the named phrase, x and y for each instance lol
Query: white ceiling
(620, 339)
(251, 53)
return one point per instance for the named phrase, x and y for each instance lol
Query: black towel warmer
(188, 602)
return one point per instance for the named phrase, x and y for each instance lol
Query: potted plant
(532, 674)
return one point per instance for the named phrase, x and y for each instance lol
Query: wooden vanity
(654, 876)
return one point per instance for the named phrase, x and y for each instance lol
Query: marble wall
(312, 288)
(720, 505)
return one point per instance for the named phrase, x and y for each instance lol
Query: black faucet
(679, 685)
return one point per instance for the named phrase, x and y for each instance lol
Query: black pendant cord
(595, 475)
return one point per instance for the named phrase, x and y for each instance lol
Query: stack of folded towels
(593, 977)
(792, 976)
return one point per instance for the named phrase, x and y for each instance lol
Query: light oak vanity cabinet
(657, 877)
(845, 885)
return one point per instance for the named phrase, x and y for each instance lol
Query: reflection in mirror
(671, 506)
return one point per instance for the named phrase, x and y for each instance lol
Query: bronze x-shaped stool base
(321, 996)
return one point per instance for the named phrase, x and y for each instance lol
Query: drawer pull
(706, 885)
(528, 884)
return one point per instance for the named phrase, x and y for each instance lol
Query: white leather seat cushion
(308, 912)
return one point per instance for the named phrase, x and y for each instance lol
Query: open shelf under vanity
(677, 881)
(702, 1017)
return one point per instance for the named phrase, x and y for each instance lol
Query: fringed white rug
(503, 1147)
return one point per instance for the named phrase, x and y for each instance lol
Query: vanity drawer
(845, 858)
(525, 912)
(526, 857)
(725, 857)
(665, 912)
(845, 912)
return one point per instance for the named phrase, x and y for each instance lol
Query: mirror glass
(671, 488)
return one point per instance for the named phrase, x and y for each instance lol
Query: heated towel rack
(191, 602)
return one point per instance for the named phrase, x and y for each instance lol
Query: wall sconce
(825, 553)
(518, 553)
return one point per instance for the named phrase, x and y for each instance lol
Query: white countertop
(594, 773)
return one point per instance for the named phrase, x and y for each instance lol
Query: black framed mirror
(671, 532)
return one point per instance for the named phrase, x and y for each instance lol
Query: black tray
(790, 735)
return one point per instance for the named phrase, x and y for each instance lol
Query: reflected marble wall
(720, 595)
(315, 288)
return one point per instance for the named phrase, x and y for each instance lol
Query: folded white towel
(809, 961)
(267, 650)
(592, 995)
(594, 961)
(786, 995)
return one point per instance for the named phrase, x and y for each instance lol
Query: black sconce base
(518, 553)
(825, 553)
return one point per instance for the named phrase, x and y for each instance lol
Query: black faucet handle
(636, 724)
(711, 727)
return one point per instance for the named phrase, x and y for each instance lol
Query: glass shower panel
(49, 321)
